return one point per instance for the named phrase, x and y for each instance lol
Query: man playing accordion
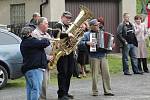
(98, 62)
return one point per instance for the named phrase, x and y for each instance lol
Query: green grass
(115, 63)
(114, 67)
(148, 58)
(16, 83)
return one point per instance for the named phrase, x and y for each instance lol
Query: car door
(10, 53)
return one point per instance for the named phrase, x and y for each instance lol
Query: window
(6, 39)
(17, 13)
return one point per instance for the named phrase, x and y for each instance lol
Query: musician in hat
(65, 64)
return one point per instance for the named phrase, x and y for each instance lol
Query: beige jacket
(39, 35)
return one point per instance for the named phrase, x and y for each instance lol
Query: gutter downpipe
(44, 3)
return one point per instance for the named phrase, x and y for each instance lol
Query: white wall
(128, 6)
(4, 12)
(31, 6)
(57, 8)
(54, 9)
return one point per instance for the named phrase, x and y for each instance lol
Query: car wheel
(3, 76)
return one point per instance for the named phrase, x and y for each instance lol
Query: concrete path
(135, 87)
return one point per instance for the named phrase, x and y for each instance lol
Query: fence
(16, 28)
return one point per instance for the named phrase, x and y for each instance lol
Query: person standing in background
(129, 44)
(34, 20)
(83, 56)
(141, 35)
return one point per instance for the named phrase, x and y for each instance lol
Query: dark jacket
(32, 24)
(60, 26)
(122, 34)
(33, 53)
(82, 47)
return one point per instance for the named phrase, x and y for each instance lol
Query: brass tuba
(67, 45)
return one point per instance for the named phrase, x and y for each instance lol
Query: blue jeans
(130, 50)
(33, 83)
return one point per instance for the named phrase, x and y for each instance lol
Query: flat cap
(67, 14)
(93, 22)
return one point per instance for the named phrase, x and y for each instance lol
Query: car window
(7, 39)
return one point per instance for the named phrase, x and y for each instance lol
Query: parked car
(10, 57)
(4, 27)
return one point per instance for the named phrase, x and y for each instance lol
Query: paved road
(135, 87)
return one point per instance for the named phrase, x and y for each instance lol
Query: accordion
(102, 40)
(94, 40)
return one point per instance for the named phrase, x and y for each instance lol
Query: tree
(141, 6)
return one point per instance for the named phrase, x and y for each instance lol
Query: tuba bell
(67, 45)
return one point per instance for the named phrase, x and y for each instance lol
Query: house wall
(52, 11)
(4, 12)
(56, 10)
(127, 6)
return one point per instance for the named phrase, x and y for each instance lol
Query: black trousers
(65, 66)
(144, 63)
(76, 70)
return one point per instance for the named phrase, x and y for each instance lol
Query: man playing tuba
(65, 63)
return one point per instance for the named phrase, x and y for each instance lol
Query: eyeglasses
(96, 25)
(68, 17)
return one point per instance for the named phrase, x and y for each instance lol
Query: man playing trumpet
(39, 33)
